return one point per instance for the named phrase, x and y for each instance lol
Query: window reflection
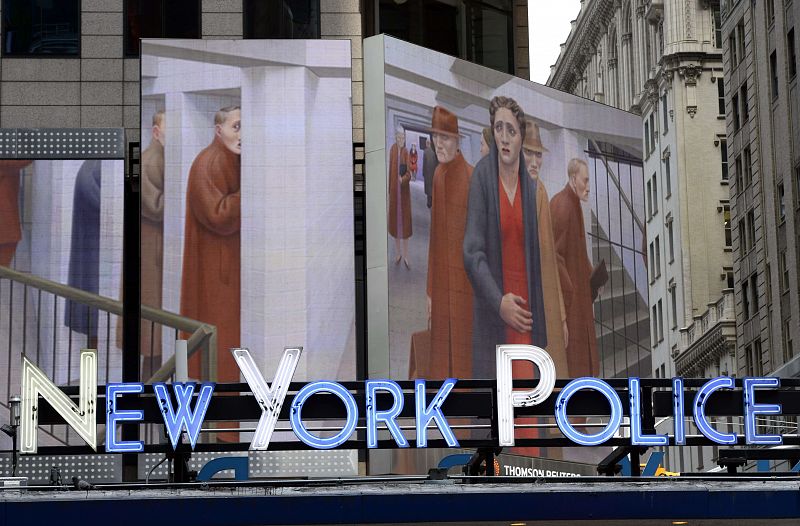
(160, 19)
(41, 27)
(281, 19)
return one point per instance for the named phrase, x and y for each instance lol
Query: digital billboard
(247, 199)
(501, 211)
(61, 234)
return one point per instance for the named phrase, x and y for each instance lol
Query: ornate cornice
(590, 26)
(690, 73)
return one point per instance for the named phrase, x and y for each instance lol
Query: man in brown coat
(10, 230)
(576, 270)
(449, 290)
(210, 291)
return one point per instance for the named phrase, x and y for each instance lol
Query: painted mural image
(245, 232)
(524, 227)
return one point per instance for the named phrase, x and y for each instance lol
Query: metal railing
(34, 325)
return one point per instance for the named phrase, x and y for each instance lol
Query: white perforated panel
(91, 468)
(62, 143)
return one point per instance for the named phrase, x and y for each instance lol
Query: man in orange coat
(399, 220)
(10, 230)
(449, 290)
(576, 270)
(210, 291)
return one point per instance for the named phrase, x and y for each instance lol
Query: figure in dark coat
(429, 163)
(576, 271)
(10, 230)
(210, 291)
(483, 262)
(84, 256)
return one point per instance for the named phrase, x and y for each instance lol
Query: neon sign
(191, 401)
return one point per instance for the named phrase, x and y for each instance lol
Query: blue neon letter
(561, 411)
(637, 438)
(296, 417)
(387, 416)
(433, 412)
(184, 417)
(113, 415)
(751, 409)
(700, 399)
(677, 411)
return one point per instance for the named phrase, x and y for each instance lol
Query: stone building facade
(763, 127)
(99, 85)
(662, 59)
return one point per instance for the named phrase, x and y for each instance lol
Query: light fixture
(14, 403)
(517, 524)
(679, 523)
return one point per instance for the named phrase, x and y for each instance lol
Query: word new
(181, 416)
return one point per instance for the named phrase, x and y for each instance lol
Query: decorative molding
(690, 73)
(612, 63)
(691, 110)
(626, 37)
(688, 11)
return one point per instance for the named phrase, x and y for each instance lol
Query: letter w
(269, 398)
(184, 417)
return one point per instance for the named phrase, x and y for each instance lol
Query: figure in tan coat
(152, 236)
(576, 270)
(210, 291)
(399, 197)
(10, 229)
(449, 291)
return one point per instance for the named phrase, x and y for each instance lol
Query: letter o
(296, 418)
(561, 411)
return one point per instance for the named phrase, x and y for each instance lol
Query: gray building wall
(766, 264)
(101, 88)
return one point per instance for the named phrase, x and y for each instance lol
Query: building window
(717, 27)
(745, 103)
(726, 218)
(737, 173)
(670, 240)
(780, 195)
(44, 28)
(281, 18)
(159, 19)
(665, 113)
(792, 53)
(652, 132)
(751, 230)
(658, 257)
(754, 292)
(740, 39)
(770, 10)
(673, 300)
(647, 137)
(747, 167)
(742, 238)
(660, 322)
(797, 187)
(728, 273)
(655, 194)
(735, 108)
(773, 73)
(723, 154)
(480, 31)
(746, 299)
(721, 96)
(667, 177)
(732, 49)
(753, 359)
(652, 263)
(649, 199)
(784, 272)
(654, 323)
(788, 351)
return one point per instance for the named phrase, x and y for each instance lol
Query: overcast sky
(548, 26)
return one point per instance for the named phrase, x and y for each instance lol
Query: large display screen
(61, 231)
(511, 213)
(247, 200)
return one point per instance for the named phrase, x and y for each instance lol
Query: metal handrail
(203, 335)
